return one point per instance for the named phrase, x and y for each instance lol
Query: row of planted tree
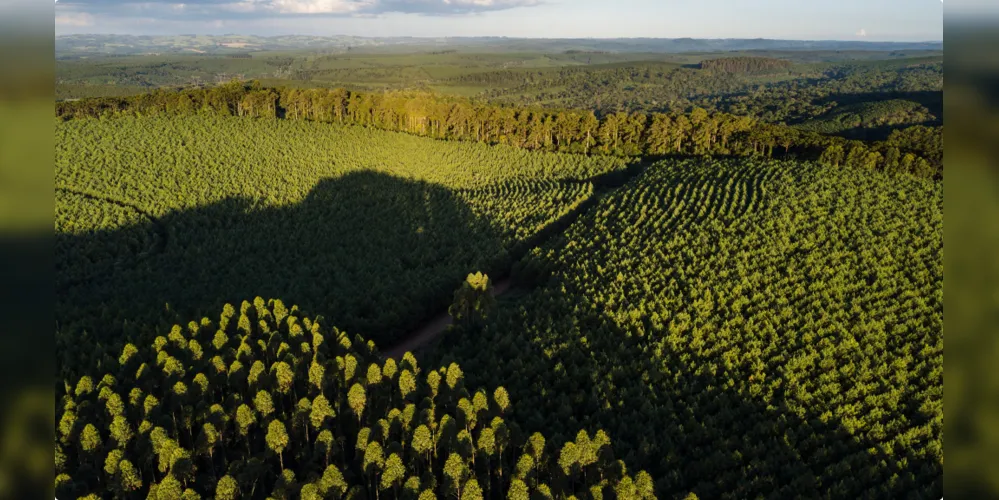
(743, 329)
(372, 228)
(572, 131)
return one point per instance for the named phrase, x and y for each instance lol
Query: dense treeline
(815, 87)
(160, 218)
(544, 77)
(166, 69)
(870, 119)
(803, 94)
(776, 329)
(923, 141)
(635, 86)
(77, 91)
(411, 76)
(802, 99)
(267, 403)
(574, 131)
(752, 65)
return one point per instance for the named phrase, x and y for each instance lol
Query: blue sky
(876, 20)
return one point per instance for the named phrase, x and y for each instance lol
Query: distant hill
(129, 44)
(748, 65)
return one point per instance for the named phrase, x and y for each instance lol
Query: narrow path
(432, 329)
(602, 184)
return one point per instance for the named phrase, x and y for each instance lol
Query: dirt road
(420, 337)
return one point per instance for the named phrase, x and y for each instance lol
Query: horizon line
(430, 37)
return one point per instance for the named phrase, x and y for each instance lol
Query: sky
(874, 20)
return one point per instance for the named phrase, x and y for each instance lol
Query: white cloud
(253, 8)
(451, 6)
(341, 7)
(862, 33)
(368, 7)
(74, 19)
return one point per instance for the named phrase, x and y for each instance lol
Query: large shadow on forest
(374, 254)
(568, 368)
(690, 430)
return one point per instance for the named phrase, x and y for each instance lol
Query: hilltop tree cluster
(867, 118)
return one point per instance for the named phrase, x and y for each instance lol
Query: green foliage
(422, 439)
(249, 441)
(473, 301)
(755, 65)
(471, 490)
(111, 462)
(618, 133)
(84, 386)
(456, 470)
(233, 193)
(227, 489)
(357, 399)
(374, 374)
(121, 431)
(864, 120)
(263, 403)
(394, 473)
(407, 383)
(761, 88)
(776, 324)
(277, 437)
(90, 439)
(453, 376)
(568, 458)
(374, 457)
(333, 481)
(768, 322)
(245, 418)
(502, 399)
(525, 465)
(518, 490)
(320, 411)
(129, 478)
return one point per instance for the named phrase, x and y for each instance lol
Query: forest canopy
(767, 323)
(730, 263)
(374, 228)
(266, 402)
(753, 65)
(573, 131)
